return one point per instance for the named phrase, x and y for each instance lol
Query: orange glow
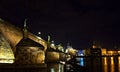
(119, 60)
(94, 46)
(119, 52)
(112, 60)
(105, 64)
(104, 52)
(112, 64)
(105, 61)
(118, 64)
(110, 52)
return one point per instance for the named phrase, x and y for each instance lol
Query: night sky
(76, 21)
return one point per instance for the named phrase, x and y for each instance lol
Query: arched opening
(6, 53)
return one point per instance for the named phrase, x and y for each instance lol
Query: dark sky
(76, 21)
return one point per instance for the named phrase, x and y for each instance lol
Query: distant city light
(80, 52)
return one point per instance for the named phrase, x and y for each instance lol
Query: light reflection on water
(119, 64)
(112, 64)
(105, 64)
(93, 64)
(81, 61)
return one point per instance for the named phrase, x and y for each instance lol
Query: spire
(48, 42)
(25, 29)
(48, 38)
(115, 46)
(68, 44)
(25, 24)
(94, 44)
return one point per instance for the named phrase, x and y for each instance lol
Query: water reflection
(55, 67)
(101, 64)
(105, 64)
(81, 61)
(112, 64)
(119, 64)
(93, 64)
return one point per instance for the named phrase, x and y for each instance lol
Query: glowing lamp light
(94, 46)
(81, 54)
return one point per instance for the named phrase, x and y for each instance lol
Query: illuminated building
(71, 50)
(81, 52)
(94, 45)
(118, 52)
(112, 52)
(103, 51)
(95, 50)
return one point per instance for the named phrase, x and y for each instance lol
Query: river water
(86, 64)
(100, 64)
